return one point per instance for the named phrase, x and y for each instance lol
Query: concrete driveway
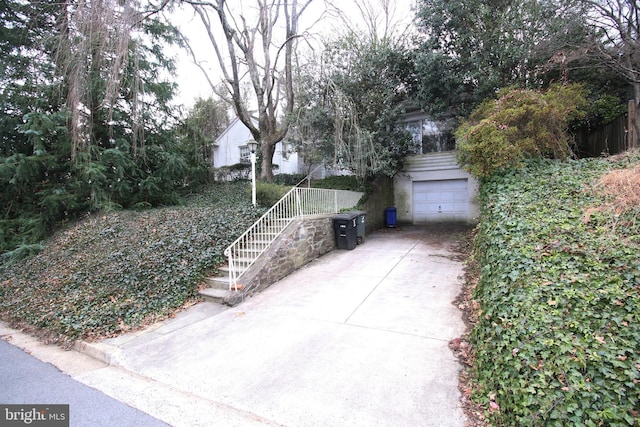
(355, 338)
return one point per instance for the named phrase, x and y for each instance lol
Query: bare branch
(245, 47)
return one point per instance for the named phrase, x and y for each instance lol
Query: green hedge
(339, 182)
(268, 195)
(559, 291)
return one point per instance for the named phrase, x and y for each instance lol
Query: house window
(436, 137)
(244, 154)
(415, 129)
(285, 151)
(430, 136)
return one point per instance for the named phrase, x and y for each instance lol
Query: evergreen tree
(206, 120)
(86, 120)
(469, 49)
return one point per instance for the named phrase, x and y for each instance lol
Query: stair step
(220, 296)
(218, 282)
(243, 260)
(246, 252)
(249, 251)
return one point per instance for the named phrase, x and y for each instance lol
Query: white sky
(192, 83)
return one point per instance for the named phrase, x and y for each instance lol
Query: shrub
(268, 194)
(234, 172)
(520, 124)
(288, 179)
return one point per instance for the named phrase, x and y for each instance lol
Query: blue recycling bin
(390, 217)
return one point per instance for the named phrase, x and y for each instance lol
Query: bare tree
(258, 46)
(616, 41)
(382, 19)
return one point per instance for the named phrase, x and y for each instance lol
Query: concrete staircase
(219, 290)
(243, 253)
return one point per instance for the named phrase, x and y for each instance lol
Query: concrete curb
(99, 351)
(68, 360)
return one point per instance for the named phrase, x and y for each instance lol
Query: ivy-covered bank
(118, 271)
(557, 337)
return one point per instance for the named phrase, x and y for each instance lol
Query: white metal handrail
(298, 202)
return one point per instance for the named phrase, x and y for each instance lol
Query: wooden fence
(607, 139)
(611, 138)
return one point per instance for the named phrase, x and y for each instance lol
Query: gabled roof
(235, 122)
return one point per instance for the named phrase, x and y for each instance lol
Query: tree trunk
(267, 148)
(634, 116)
(251, 50)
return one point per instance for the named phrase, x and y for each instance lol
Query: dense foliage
(113, 272)
(268, 194)
(471, 48)
(558, 329)
(205, 122)
(339, 182)
(348, 107)
(82, 130)
(520, 124)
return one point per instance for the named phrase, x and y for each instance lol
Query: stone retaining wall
(303, 241)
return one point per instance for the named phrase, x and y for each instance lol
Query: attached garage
(433, 188)
(440, 201)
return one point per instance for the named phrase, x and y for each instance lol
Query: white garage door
(435, 201)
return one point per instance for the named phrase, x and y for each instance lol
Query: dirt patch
(620, 189)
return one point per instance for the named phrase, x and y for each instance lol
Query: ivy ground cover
(557, 336)
(113, 272)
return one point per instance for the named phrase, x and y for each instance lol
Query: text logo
(34, 415)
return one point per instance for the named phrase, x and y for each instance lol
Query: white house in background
(231, 148)
(432, 187)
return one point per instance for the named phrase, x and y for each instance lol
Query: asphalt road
(26, 380)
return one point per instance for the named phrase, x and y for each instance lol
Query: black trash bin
(360, 225)
(345, 227)
(390, 218)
